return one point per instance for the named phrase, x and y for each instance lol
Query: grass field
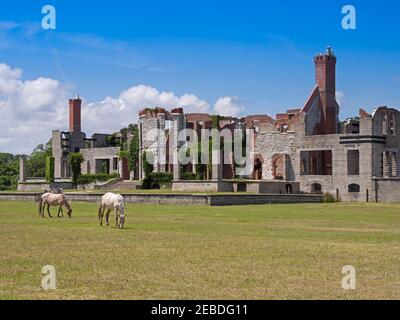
(168, 252)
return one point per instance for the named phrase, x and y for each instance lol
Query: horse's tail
(40, 205)
(100, 210)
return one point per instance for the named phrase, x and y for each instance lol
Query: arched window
(242, 187)
(354, 188)
(316, 188)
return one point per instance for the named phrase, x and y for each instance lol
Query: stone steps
(123, 185)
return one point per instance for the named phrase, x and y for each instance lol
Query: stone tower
(325, 70)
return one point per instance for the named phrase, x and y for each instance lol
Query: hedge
(156, 178)
(189, 176)
(92, 178)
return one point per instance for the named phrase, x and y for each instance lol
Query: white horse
(111, 201)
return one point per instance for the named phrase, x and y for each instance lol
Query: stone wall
(270, 144)
(179, 199)
(388, 190)
(91, 155)
(202, 186)
(41, 186)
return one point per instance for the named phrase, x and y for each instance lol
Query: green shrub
(75, 161)
(93, 178)
(123, 155)
(189, 176)
(50, 169)
(328, 198)
(156, 178)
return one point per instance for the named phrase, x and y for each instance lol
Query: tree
(50, 169)
(36, 164)
(9, 170)
(75, 161)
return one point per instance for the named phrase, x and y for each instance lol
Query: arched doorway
(278, 167)
(316, 188)
(258, 166)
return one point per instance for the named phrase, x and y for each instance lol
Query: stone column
(177, 167)
(216, 165)
(22, 169)
(140, 164)
(120, 170)
(175, 158)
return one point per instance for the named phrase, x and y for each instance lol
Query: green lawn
(170, 252)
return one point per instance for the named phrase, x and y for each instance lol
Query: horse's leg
(116, 217)
(107, 216)
(42, 209)
(102, 215)
(48, 210)
(59, 211)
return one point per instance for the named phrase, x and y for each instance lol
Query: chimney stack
(75, 114)
(325, 70)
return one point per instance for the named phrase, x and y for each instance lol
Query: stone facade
(356, 160)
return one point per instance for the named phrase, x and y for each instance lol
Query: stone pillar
(141, 175)
(175, 158)
(177, 167)
(22, 169)
(119, 168)
(216, 165)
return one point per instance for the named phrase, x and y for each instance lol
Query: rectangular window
(316, 163)
(115, 164)
(353, 162)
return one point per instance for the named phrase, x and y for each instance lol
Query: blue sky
(259, 52)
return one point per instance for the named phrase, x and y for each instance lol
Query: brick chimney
(325, 70)
(75, 114)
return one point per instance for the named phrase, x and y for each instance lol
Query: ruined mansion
(304, 150)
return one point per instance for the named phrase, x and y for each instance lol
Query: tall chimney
(325, 70)
(75, 114)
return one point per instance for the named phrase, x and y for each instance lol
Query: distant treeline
(36, 166)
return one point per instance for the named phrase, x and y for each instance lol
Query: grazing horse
(54, 199)
(111, 201)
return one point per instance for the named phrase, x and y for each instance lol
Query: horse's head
(122, 217)
(121, 221)
(69, 212)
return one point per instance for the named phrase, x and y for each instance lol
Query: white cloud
(8, 25)
(111, 114)
(30, 109)
(228, 106)
(9, 79)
